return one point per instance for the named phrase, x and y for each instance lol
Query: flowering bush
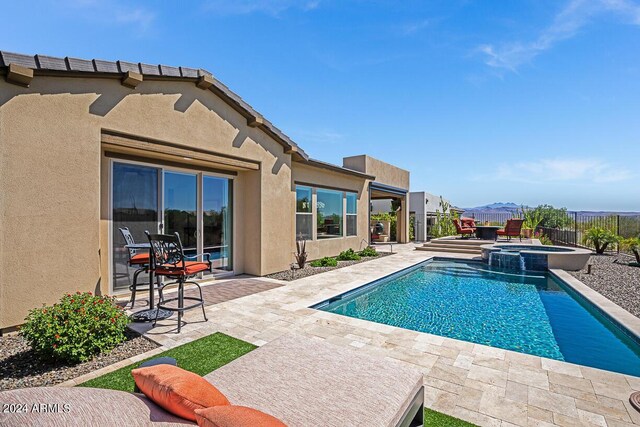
(545, 240)
(75, 329)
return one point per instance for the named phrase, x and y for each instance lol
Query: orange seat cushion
(139, 259)
(235, 416)
(176, 390)
(190, 267)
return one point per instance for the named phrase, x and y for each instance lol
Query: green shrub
(368, 252)
(75, 329)
(325, 262)
(348, 255)
(632, 245)
(600, 238)
(545, 240)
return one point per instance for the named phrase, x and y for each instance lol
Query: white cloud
(269, 7)
(566, 24)
(139, 19)
(583, 171)
(414, 27)
(320, 136)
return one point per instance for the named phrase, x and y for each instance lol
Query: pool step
(452, 248)
(455, 245)
(448, 250)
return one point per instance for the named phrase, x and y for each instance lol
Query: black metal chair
(168, 260)
(139, 260)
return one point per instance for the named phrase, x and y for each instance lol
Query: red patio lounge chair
(465, 231)
(513, 228)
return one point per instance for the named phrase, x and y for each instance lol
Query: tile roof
(50, 65)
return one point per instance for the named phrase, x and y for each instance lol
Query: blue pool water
(532, 313)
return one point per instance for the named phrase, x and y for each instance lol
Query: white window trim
(347, 214)
(314, 212)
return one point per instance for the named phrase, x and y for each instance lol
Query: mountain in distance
(498, 207)
(510, 207)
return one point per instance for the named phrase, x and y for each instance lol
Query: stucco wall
(305, 174)
(385, 173)
(52, 177)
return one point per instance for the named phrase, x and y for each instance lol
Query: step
(449, 250)
(467, 242)
(451, 246)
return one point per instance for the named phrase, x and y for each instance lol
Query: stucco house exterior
(424, 206)
(89, 146)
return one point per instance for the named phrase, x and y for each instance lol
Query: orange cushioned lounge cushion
(176, 390)
(235, 416)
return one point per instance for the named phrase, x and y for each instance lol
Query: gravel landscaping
(308, 270)
(613, 277)
(20, 367)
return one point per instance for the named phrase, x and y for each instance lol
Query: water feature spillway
(507, 260)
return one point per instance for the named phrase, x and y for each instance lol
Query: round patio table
(487, 232)
(151, 313)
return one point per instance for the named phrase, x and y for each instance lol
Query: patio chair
(460, 229)
(513, 228)
(169, 261)
(137, 259)
(468, 223)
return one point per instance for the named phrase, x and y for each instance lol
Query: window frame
(342, 215)
(350, 214)
(310, 213)
(314, 210)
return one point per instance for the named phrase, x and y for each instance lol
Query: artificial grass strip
(201, 356)
(433, 418)
(207, 354)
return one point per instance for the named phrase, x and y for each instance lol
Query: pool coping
(481, 384)
(618, 314)
(626, 322)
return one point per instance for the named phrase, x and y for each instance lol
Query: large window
(352, 214)
(304, 214)
(329, 213)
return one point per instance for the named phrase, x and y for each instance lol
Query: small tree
(532, 218)
(632, 244)
(444, 220)
(600, 238)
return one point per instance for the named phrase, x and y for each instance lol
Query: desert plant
(301, 251)
(348, 255)
(75, 329)
(325, 262)
(368, 252)
(632, 244)
(545, 240)
(552, 217)
(532, 218)
(444, 221)
(600, 238)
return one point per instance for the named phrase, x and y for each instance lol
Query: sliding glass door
(217, 220)
(136, 206)
(181, 208)
(196, 205)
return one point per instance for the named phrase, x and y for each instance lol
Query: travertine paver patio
(484, 385)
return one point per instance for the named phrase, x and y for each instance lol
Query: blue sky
(530, 101)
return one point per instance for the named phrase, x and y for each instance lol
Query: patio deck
(484, 385)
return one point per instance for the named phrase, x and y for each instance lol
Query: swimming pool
(532, 313)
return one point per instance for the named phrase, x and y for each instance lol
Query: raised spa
(534, 257)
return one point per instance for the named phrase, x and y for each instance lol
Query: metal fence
(569, 228)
